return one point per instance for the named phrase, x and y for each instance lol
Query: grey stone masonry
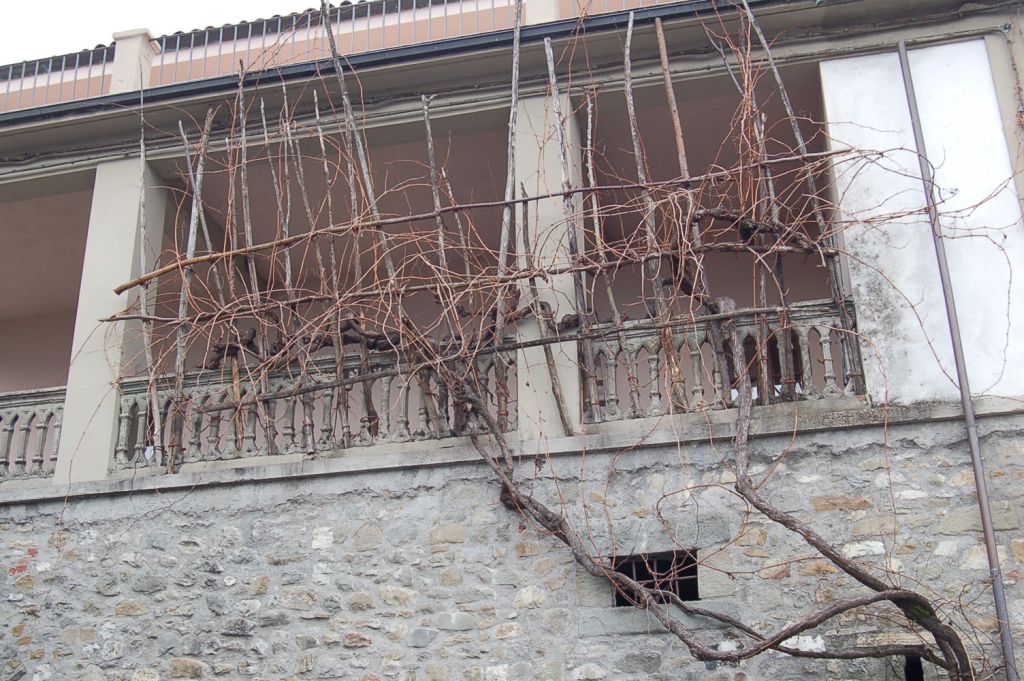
(421, 574)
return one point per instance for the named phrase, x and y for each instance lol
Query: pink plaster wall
(35, 351)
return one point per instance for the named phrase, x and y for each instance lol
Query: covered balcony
(43, 226)
(311, 300)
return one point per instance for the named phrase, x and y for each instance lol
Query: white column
(541, 11)
(132, 60)
(98, 355)
(538, 168)
(893, 270)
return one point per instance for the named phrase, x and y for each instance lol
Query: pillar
(133, 59)
(538, 168)
(99, 356)
(906, 346)
(541, 11)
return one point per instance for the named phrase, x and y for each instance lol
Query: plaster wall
(895, 280)
(36, 351)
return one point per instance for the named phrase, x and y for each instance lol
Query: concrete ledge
(628, 620)
(784, 419)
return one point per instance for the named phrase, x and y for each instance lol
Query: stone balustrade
(307, 411)
(798, 354)
(325, 408)
(30, 423)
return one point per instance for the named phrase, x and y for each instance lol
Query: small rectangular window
(913, 670)
(671, 571)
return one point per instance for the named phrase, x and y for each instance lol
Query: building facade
(227, 450)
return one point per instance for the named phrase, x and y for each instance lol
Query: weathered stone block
(818, 567)
(357, 639)
(108, 586)
(274, 618)
(448, 534)
(507, 630)
(455, 621)
(368, 538)
(397, 596)
(187, 668)
(128, 608)
(639, 662)
(873, 527)
(238, 626)
(840, 502)
(530, 597)
(863, 548)
(714, 573)
(967, 520)
(260, 585)
(589, 672)
(361, 600)
(421, 637)
(148, 584)
(591, 591)
(297, 599)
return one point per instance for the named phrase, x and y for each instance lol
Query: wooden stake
(178, 422)
(549, 357)
(661, 308)
(147, 325)
(569, 211)
(606, 277)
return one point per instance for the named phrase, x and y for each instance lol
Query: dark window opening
(670, 571)
(913, 670)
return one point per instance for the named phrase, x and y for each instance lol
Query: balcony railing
(799, 354)
(582, 8)
(56, 80)
(30, 424)
(270, 43)
(302, 37)
(226, 415)
(256, 46)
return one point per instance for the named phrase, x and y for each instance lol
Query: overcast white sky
(31, 30)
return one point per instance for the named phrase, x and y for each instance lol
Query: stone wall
(423, 574)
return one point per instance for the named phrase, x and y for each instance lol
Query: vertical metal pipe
(103, 74)
(263, 44)
(250, 62)
(998, 589)
(160, 69)
(49, 75)
(279, 53)
(88, 77)
(7, 89)
(35, 84)
(191, 56)
(74, 78)
(63, 73)
(398, 19)
(177, 57)
(295, 30)
(206, 53)
(220, 50)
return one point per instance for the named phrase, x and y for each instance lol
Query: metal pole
(998, 590)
